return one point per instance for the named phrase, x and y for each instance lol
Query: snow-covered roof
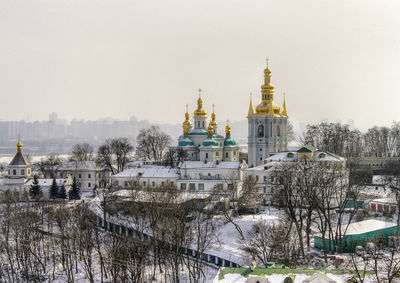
(366, 226)
(385, 200)
(77, 165)
(202, 165)
(149, 171)
(47, 182)
(294, 156)
(144, 196)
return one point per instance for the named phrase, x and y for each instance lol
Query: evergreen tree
(35, 191)
(75, 192)
(62, 193)
(54, 189)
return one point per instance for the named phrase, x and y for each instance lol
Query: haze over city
(335, 60)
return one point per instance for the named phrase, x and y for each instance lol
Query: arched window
(278, 130)
(260, 131)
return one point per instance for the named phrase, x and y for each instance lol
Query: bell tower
(267, 125)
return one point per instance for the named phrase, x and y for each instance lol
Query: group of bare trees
(315, 194)
(343, 141)
(46, 241)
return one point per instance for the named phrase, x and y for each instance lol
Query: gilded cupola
(187, 124)
(210, 130)
(200, 111)
(228, 130)
(213, 119)
(267, 105)
(19, 146)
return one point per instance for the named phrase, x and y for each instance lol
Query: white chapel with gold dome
(267, 125)
(202, 142)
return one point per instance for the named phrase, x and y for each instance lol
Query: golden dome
(210, 130)
(187, 124)
(200, 111)
(19, 145)
(213, 119)
(267, 105)
(228, 130)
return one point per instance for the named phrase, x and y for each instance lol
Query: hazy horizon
(335, 60)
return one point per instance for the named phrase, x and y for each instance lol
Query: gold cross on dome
(267, 61)
(200, 92)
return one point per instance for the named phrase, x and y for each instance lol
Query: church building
(203, 143)
(267, 125)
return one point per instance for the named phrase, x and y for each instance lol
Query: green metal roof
(307, 148)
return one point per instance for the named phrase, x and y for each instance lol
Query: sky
(88, 59)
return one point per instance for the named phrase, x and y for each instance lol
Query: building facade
(202, 142)
(267, 125)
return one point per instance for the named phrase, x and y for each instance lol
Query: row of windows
(192, 186)
(80, 176)
(14, 172)
(226, 154)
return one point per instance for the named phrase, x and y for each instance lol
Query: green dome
(210, 142)
(229, 142)
(185, 141)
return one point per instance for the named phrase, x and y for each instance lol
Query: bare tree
(152, 144)
(114, 154)
(48, 166)
(82, 152)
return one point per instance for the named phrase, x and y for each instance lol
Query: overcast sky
(88, 59)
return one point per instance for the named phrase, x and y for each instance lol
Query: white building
(207, 177)
(202, 143)
(263, 173)
(20, 177)
(86, 173)
(267, 125)
(148, 176)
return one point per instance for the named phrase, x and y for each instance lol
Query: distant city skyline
(335, 60)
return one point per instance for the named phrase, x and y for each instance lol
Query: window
(29, 171)
(9, 172)
(201, 186)
(14, 172)
(265, 190)
(220, 187)
(153, 184)
(22, 172)
(230, 187)
(144, 183)
(126, 184)
(260, 131)
(265, 178)
(217, 153)
(192, 186)
(257, 178)
(89, 176)
(183, 186)
(203, 124)
(80, 176)
(234, 153)
(162, 183)
(89, 185)
(226, 154)
(207, 155)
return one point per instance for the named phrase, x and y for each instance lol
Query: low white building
(263, 173)
(148, 176)
(207, 177)
(86, 173)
